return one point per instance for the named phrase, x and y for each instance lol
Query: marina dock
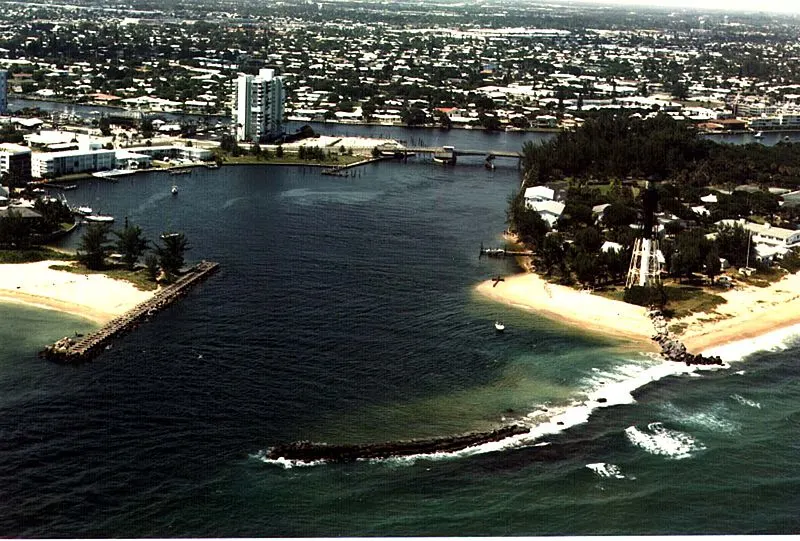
(69, 350)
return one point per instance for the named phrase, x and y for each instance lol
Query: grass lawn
(685, 300)
(138, 278)
(32, 255)
(682, 300)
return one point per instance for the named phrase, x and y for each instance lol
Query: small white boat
(499, 327)
(174, 189)
(99, 218)
(758, 135)
(85, 211)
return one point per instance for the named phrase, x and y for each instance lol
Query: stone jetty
(69, 350)
(673, 349)
(310, 452)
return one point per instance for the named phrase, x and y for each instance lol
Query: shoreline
(578, 309)
(748, 313)
(94, 297)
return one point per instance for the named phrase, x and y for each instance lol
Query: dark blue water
(344, 312)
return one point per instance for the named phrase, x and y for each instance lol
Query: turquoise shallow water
(345, 312)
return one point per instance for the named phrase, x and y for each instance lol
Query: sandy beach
(95, 297)
(580, 308)
(748, 312)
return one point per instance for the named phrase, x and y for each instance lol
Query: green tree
(732, 244)
(15, 231)
(170, 252)
(552, 252)
(586, 267)
(131, 244)
(589, 240)
(94, 246)
(690, 251)
(279, 151)
(151, 264)
(712, 264)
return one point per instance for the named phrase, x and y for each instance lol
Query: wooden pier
(68, 350)
(502, 252)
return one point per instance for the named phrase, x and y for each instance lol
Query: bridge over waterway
(448, 154)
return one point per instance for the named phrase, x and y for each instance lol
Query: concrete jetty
(69, 350)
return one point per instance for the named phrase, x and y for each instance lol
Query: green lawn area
(685, 300)
(32, 255)
(138, 278)
(681, 300)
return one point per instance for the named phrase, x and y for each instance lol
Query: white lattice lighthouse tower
(645, 269)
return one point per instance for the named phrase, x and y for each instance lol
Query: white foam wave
(778, 340)
(604, 388)
(661, 441)
(285, 463)
(713, 419)
(606, 470)
(746, 401)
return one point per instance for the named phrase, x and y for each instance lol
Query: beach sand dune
(95, 297)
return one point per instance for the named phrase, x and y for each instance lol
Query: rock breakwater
(311, 452)
(673, 349)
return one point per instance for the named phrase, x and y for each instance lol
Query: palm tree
(94, 245)
(131, 244)
(170, 252)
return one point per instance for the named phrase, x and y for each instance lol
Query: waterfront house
(550, 211)
(538, 193)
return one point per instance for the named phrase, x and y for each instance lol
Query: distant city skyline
(777, 6)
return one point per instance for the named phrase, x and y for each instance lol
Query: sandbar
(95, 297)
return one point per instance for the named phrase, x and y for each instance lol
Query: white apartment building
(53, 164)
(258, 110)
(3, 92)
(15, 164)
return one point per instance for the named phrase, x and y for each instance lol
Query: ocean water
(345, 312)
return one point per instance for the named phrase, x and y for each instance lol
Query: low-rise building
(539, 193)
(173, 151)
(15, 165)
(54, 164)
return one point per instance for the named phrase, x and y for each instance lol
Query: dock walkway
(69, 351)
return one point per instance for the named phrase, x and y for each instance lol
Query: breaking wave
(661, 441)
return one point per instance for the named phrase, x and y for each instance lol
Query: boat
(113, 173)
(758, 135)
(101, 218)
(181, 172)
(174, 189)
(165, 236)
(83, 211)
(785, 137)
(499, 327)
